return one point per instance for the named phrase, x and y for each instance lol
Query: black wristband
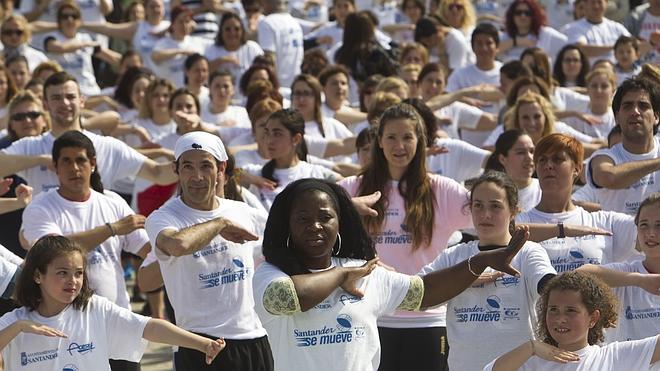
(562, 233)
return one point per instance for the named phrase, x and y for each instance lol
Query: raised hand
(500, 259)
(552, 353)
(235, 233)
(363, 204)
(213, 348)
(128, 224)
(353, 274)
(5, 184)
(24, 194)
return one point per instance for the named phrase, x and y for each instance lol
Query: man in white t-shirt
(208, 276)
(103, 225)
(281, 35)
(594, 33)
(30, 156)
(627, 173)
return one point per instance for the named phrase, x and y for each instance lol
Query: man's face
(199, 174)
(74, 170)
(636, 117)
(595, 9)
(484, 47)
(64, 103)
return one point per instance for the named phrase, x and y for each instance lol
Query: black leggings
(243, 355)
(421, 349)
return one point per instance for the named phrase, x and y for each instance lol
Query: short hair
(515, 69)
(636, 84)
(59, 78)
(76, 139)
(623, 39)
(42, 253)
(488, 30)
(355, 241)
(330, 71)
(557, 142)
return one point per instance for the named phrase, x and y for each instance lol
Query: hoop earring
(339, 243)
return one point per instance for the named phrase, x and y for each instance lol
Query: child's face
(648, 230)
(62, 281)
(568, 320)
(626, 55)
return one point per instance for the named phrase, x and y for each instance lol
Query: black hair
(616, 130)
(503, 181)
(77, 139)
(355, 241)
(503, 145)
(515, 69)
(366, 136)
(293, 121)
(486, 29)
(126, 82)
(59, 78)
(635, 84)
(184, 91)
(558, 71)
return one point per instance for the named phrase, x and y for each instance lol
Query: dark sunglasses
(32, 115)
(12, 32)
(527, 13)
(69, 16)
(456, 7)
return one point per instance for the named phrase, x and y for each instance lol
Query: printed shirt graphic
(340, 333)
(504, 307)
(639, 313)
(102, 331)
(570, 253)
(211, 289)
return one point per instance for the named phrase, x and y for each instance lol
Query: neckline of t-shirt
(332, 265)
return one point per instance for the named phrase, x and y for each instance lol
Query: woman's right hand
(552, 353)
(353, 274)
(30, 327)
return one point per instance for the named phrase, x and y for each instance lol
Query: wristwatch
(562, 233)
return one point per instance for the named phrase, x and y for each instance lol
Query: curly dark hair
(356, 243)
(596, 295)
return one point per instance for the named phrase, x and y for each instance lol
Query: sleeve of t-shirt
(316, 146)
(125, 161)
(494, 135)
(471, 157)
(265, 274)
(266, 37)
(124, 330)
(535, 265)
(442, 261)
(350, 184)
(7, 272)
(468, 116)
(459, 51)
(20, 147)
(451, 198)
(10, 256)
(133, 241)
(585, 194)
(157, 222)
(633, 354)
(392, 288)
(624, 235)
(38, 223)
(563, 128)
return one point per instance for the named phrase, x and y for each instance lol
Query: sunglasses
(32, 115)
(526, 13)
(12, 32)
(64, 16)
(456, 7)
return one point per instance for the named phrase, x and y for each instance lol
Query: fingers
(512, 271)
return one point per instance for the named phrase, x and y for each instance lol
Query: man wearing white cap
(207, 276)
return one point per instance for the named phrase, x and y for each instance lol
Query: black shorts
(243, 355)
(421, 349)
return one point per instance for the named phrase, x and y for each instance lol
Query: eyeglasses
(73, 16)
(571, 60)
(302, 93)
(32, 115)
(526, 13)
(456, 7)
(12, 32)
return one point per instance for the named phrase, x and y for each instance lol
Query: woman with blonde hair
(15, 34)
(394, 85)
(601, 83)
(459, 14)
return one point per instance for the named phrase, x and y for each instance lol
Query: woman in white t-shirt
(571, 67)
(601, 83)
(196, 72)
(320, 291)
(496, 305)
(220, 111)
(62, 323)
(514, 155)
(572, 313)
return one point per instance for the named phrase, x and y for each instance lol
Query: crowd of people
(330, 184)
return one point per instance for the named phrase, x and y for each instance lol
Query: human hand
(575, 230)
(487, 277)
(648, 282)
(500, 259)
(590, 119)
(128, 224)
(363, 204)
(436, 150)
(5, 184)
(142, 134)
(353, 274)
(213, 347)
(552, 353)
(30, 327)
(24, 194)
(235, 233)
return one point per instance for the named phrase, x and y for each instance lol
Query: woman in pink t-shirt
(417, 213)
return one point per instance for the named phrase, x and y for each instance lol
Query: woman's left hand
(353, 274)
(500, 259)
(213, 348)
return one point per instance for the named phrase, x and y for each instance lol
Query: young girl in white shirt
(573, 311)
(74, 327)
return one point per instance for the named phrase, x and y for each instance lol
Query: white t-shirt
(173, 68)
(626, 200)
(639, 310)
(529, 196)
(232, 116)
(281, 34)
(115, 159)
(597, 130)
(560, 127)
(34, 57)
(650, 24)
(333, 129)
(332, 29)
(504, 308)
(471, 75)
(100, 332)
(9, 264)
(462, 116)
(211, 289)
(78, 63)
(145, 38)
(52, 214)
(567, 254)
(604, 33)
(245, 54)
(339, 333)
(458, 49)
(565, 99)
(628, 355)
(463, 161)
(558, 13)
(549, 39)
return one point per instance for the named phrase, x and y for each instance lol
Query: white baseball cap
(201, 141)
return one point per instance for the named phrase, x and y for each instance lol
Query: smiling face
(26, 119)
(313, 228)
(399, 144)
(62, 281)
(74, 170)
(64, 104)
(491, 213)
(648, 230)
(531, 120)
(519, 160)
(199, 173)
(232, 34)
(568, 319)
(485, 48)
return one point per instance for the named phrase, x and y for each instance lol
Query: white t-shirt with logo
(567, 254)
(639, 311)
(115, 159)
(339, 333)
(100, 332)
(211, 289)
(463, 161)
(52, 214)
(279, 33)
(627, 355)
(626, 200)
(502, 309)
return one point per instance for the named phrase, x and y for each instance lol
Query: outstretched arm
(614, 278)
(161, 331)
(10, 332)
(514, 359)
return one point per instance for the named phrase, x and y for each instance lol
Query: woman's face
(600, 89)
(556, 172)
(183, 24)
(313, 228)
(648, 230)
(399, 143)
(336, 88)
(27, 120)
(279, 141)
(568, 320)
(571, 64)
(303, 98)
(257, 75)
(519, 160)
(62, 281)
(531, 119)
(455, 14)
(412, 11)
(154, 11)
(160, 99)
(232, 32)
(137, 13)
(431, 85)
(13, 34)
(198, 73)
(522, 17)
(20, 73)
(69, 22)
(4, 80)
(186, 104)
(342, 9)
(138, 90)
(222, 90)
(413, 56)
(491, 213)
